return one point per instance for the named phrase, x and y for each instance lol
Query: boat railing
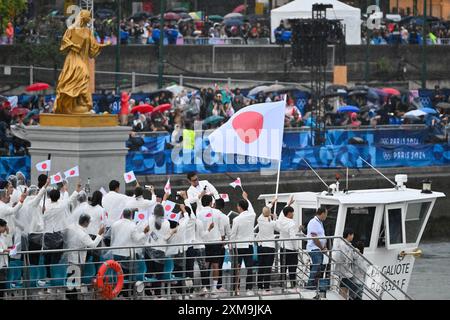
(184, 272)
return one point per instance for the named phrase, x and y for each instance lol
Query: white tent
(302, 9)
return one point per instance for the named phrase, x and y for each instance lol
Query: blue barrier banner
(11, 165)
(381, 148)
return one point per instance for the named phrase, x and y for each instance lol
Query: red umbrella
(240, 8)
(171, 16)
(163, 107)
(19, 111)
(38, 86)
(391, 91)
(143, 108)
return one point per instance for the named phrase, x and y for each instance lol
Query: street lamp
(424, 43)
(119, 13)
(161, 45)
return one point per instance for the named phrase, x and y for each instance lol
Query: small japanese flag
(172, 216)
(225, 197)
(43, 166)
(74, 172)
(141, 216)
(57, 178)
(129, 177)
(167, 187)
(236, 183)
(169, 206)
(104, 216)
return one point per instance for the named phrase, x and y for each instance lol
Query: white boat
(390, 222)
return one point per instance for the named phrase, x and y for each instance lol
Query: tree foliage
(9, 9)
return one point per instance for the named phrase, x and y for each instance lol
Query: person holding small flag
(211, 219)
(160, 234)
(199, 188)
(242, 229)
(194, 231)
(114, 203)
(55, 223)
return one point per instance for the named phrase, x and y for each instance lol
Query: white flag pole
(276, 188)
(279, 166)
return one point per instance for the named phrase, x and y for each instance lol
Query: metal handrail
(231, 243)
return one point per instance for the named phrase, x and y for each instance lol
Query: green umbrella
(213, 120)
(215, 18)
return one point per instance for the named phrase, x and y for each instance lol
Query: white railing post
(133, 81)
(31, 75)
(181, 80)
(229, 83)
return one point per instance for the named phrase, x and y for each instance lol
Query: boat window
(415, 217)
(307, 215)
(395, 226)
(360, 220)
(382, 235)
(330, 223)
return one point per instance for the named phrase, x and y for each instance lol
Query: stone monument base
(99, 150)
(78, 120)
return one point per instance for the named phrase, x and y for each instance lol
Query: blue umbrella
(348, 109)
(429, 110)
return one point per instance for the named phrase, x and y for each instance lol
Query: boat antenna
(378, 171)
(346, 180)
(316, 173)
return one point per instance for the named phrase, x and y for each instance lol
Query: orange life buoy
(105, 287)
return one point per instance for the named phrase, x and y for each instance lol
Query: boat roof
(357, 197)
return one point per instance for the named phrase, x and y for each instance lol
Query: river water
(430, 279)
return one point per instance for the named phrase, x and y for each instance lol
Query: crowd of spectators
(208, 108)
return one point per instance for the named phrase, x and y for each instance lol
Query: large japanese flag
(256, 130)
(44, 165)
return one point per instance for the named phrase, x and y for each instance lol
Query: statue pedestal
(93, 142)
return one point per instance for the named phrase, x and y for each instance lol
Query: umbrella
(359, 88)
(196, 15)
(163, 107)
(240, 8)
(233, 15)
(143, 108)
(338, 93)
(175, 89)
(429, 110)
(3, 98)
(158, 92)
(335, 87)
(257, 90)
(358, 93)
(179, 9)
(274, 88)
(391, 91)
(348, 109)
(19, 112)
(443, 105)
(414, 114)
(38, 86)
(185, 16)
(171, 16)
(215, 18)
(233, 22)
(213, 119)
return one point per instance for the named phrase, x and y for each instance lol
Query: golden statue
(73, 94)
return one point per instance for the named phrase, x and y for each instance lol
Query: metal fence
(251, 274)
(26, 75)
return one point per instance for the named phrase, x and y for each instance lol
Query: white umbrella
(233, 15)
(176, 89)
(414, 114)
(256, 90)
